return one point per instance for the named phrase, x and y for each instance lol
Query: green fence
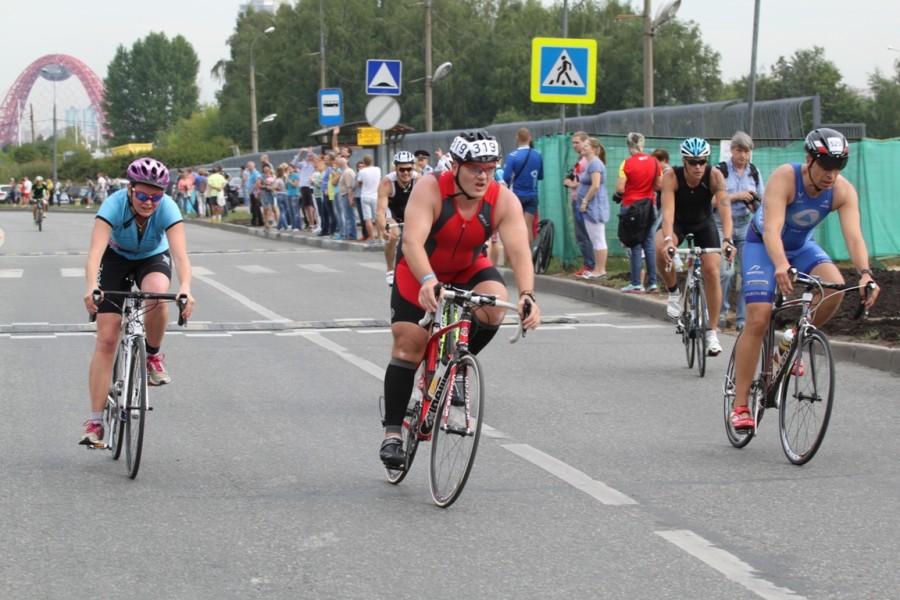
(872, 170)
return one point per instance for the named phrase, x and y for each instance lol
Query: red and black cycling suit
(454, 248)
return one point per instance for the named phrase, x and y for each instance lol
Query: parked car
(4, 193)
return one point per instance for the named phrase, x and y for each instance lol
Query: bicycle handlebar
(811, 282)
(473, 298)
(179, 299)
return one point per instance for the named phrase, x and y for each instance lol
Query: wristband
(867, 272)
(728, 241)
(529, 293)
(667, 239)
(426, 278)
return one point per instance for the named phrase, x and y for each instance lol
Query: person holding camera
(745, 190)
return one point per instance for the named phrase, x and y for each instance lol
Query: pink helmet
(148, 170)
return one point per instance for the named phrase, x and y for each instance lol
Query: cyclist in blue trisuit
(138, 233)
(797, 198)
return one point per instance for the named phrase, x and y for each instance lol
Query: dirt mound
(882, 326)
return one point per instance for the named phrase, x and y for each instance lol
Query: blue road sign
(383, 77)
(331, 107)
(563, 70)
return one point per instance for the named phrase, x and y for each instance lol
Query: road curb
(867, 355)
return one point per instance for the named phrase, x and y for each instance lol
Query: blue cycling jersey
(800, 217)
(124, 238)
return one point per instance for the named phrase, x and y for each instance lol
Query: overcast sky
(855, 34)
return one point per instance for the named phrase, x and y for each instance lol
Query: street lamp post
(254, 131)
(650, 26)
(52, 77)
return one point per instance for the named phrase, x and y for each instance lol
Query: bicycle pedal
(149, 408)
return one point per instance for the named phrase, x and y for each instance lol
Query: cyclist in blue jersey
(797, 198)
(138, 233)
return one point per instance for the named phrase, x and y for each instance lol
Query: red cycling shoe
(741, 418)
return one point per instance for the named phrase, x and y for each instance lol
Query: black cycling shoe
(392, 454)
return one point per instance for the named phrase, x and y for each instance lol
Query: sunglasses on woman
(142, 197)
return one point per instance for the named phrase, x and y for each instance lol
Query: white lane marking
(209, 334)
(370, 368)
(492, 433)
(587, 314)
(200, 271)
(72, 271)
(32, 337)
(378, 266)
(727, 564)
(11, 273)
(265, 312)
(255, 269)
(570, 475)
(623, 326)
(318, 268)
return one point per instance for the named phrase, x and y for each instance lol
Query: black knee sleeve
(481, 335)
(398, 384)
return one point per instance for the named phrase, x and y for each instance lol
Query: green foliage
(807, 73)
(883, 109)
(150, 87)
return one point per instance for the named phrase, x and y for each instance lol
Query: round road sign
(383, 112)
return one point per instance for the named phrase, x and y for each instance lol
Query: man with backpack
(522, 170)
(745, 191)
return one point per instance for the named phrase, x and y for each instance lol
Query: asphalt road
(605, 472)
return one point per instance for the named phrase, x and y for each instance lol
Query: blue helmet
(694, 147)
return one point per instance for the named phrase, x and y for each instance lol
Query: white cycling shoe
(713, 347)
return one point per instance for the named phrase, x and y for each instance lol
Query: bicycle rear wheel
(113, 413)
(135, 401)
(807, 394)
(457, 431)
(702, 322)
(410, 431)
(742, 437)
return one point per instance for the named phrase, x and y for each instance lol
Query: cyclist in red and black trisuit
(447, 221)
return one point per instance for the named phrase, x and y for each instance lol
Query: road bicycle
(446, 406)
(127, 400)
(800, 383)
(542, 248)
(693, 321)
(39, 214)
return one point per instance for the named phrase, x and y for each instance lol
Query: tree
(883, 108)
(150, 87)
(807, 73)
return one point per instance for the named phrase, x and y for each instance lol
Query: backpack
(634, 225)
(754, 172)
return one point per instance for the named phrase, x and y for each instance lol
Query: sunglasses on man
(695, 163)
(404, 169)
(832, 163)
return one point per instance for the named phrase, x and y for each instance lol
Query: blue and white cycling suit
(800, 220)
(125, 239)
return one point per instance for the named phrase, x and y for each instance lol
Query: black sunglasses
(831, 163)
(694, 163)
(405, 169)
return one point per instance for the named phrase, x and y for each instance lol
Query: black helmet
(829, 147)
(475, 147)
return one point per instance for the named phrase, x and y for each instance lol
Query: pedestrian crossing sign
(563, 70)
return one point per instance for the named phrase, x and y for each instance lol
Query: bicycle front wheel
(688, 328)
(543, 246)
(702, 322)
(456, 432)
(135, 403)
(807, 394)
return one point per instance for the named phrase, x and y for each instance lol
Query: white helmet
(404, 156)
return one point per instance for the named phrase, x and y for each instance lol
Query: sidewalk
(868, 355)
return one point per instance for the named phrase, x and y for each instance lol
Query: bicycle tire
(543, 246)
(702, 321)
(455, 442)
(112, 416)
(807, 395)
(738, 438)
(40, 219)
(410, 430)
(135, 406)
(687, 328)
